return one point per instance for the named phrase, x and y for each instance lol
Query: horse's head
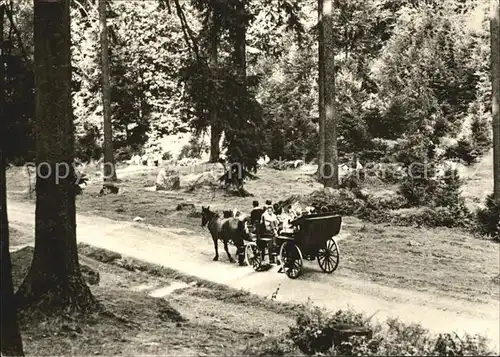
(206, 215)
(228, 214)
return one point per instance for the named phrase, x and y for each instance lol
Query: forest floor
(146, 314)
(446, 279)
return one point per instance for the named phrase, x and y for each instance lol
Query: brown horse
(225, 229)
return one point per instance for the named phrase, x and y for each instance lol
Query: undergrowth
(314, 333)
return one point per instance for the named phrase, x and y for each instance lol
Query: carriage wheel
(291, 258)
(253, 256)
(328, 257)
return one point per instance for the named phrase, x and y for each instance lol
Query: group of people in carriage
(272, 220)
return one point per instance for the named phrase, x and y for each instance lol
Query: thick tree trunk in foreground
(331, 168)
(321, 87)
(54, 280)
(10, 342)
(109, 160)
(215, 128)
(495, 95)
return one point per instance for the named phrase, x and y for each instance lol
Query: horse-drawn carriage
(313, 238)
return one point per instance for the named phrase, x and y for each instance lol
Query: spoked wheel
(291, 258)
(253, 256)
(328, 257)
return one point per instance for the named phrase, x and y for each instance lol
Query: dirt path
(189, 253)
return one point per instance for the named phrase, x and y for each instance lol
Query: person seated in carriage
(285, 218)
(256, 214)
(270, 224)
(270, 221)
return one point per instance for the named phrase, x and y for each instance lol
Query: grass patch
(418, 259)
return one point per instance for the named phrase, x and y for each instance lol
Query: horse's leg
(216, 247)
(241, 255)
(227, 251)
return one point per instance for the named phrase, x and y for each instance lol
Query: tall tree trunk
(241, 66)
(321, 88)
(109, 160)
(54, 280)
(495, 95)
(215, 127)
(331, 168)
(10, 342)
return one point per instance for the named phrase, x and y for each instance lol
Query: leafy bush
(341, 201)
(167, 155)
(310, 336)
(452, 345)
(385, 200)
(193, 150)
(445, 209)
(418, 191)
(452, 217)
(400, 339)
(124, 153)
(488, 219)
(87, 145)
(480, 129)
(463, 150)
(313, 331)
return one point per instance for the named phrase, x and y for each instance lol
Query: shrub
(124, 153)
(447, 193)
(341, 201)
(385, 200)
(457, 216)
(463, 150)
(400, 339)
(313, 332)
(310, 336)
(417, 191)
(88, 144)
(452, 345)
(480, 135)
(167, 155)
(488, 219)
(193, 150)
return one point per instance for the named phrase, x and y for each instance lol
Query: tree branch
(8, 12)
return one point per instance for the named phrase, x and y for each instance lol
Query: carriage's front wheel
(329, 256)
(253, 256)
(291, 259)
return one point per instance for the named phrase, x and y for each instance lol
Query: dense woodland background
(409, 75)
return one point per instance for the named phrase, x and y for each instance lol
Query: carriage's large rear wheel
(253, 256)
(291, 259)
(328, 257)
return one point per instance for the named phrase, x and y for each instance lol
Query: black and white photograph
(250, 178)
